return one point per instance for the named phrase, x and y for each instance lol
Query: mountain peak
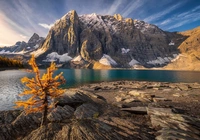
(33, 38)
(118, 17)
(72, 12)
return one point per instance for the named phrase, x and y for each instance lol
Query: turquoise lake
(10, 85)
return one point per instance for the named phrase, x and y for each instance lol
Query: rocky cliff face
(128, 42)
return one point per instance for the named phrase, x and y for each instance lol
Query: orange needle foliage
(41, 90)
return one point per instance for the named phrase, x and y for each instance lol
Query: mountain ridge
(22, 47)
(105, 41)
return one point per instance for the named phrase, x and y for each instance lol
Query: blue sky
(19, 19)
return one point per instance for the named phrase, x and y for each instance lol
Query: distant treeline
(10, 63)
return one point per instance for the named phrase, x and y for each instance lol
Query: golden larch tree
(41, 90)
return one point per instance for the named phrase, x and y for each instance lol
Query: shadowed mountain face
(128, 42)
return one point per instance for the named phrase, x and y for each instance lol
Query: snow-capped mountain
(23, 47)
(113, 41)
(110, 40)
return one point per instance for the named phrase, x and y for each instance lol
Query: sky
(19, 19)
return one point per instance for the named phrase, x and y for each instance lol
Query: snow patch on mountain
(177, 56)
(36, 46)
(171, 43)
(160, 61)
(133, 62)
(54, 56)
(4, 52)
(143, 26)
(124, 51)
(95, 21)
(107, 60)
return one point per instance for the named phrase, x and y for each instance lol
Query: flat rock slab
(159, 111)
(172, 125)
(87, 110)
(136, 93)
(130, 100)
(195, 86)
(180, 94)
(183, 87)
(136, 110)
(72, 98)
(160, 99)
(174, 134)
(61, 113)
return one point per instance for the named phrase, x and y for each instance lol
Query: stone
(145, 100)
(176, 134)
(180, 94)
(183, 87)
(136, 110)
(129, 100)
(177, 95)
(195, 86)
(160, 99)
(97, 88)
(118, 98)
(173, 126)
(47, 132)
(167, 90)
(7, 117)
(136, 93)
(72, 98)
(147, 95)
(173, 86)
(120, 105)
(61, 113)
(87, 110)
(159, 111)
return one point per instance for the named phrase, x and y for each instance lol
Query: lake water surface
(10, 85)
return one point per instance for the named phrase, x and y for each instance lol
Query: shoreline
(159, 69)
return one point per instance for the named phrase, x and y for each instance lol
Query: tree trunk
(44, 115)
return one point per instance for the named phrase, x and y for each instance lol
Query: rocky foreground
(114, 110)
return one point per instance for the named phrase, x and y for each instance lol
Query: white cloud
(8, 36)
(23, 36)
(46, 26)
(132, 7)
(167, 21)
(114, 7)
(181, 19)
(163, 13)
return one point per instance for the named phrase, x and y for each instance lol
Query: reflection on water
(10, 85)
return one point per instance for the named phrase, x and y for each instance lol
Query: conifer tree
(41, 90)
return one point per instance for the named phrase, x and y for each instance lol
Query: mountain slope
(123, 40)
(189, 57)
